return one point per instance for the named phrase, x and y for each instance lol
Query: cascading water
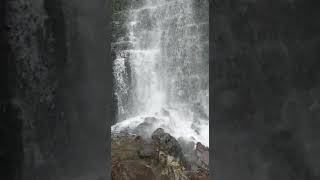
(162, 68)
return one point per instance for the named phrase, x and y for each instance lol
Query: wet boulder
(146, 128)
(143, 129)
(165, 142)
(146, 150)
(202, 153)
(159, 157)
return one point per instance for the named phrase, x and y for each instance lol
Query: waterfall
(161, 67)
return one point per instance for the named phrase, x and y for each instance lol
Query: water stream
(162, 76)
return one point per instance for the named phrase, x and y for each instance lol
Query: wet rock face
(263, 79)
(11, 149)
(199, 175)
(35, 34)
(160, 157)
(131, 170)
(165, 142)
(146, 151)
(203, 155)
(42, 35)
(146, 128)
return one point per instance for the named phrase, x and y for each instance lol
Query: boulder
(187, 146)
(165, 142)
(146, 151)
(203, 155)
(143, 129)
(146, 128)
(161, 157)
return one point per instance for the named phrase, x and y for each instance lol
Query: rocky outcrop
(160, 157)
(167, 144)
(131, 170)
(202, 153)
(146, 128)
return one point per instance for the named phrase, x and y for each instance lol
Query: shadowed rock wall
(55, 100)
(265, 80)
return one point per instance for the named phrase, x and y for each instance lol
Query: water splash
(164, 71)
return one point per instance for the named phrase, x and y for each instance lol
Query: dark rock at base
(146, 151)
(199, 175)
(187, 146)
(142, 129)
(203, 155)
(146, 127)
(157, 133)
(161, 158)
(165, 142)
(131, 170)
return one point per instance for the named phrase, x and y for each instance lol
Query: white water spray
(164, 73)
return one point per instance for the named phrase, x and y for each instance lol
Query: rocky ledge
(160, 157)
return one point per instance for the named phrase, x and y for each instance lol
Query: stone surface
(158, 160)
(126, 170)
(56, 105)
(203, 155)
(165, 142)
(265, 66)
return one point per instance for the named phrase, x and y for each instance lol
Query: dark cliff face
(265, 80)
(37, 43)
(11, 150)
(56, 93)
